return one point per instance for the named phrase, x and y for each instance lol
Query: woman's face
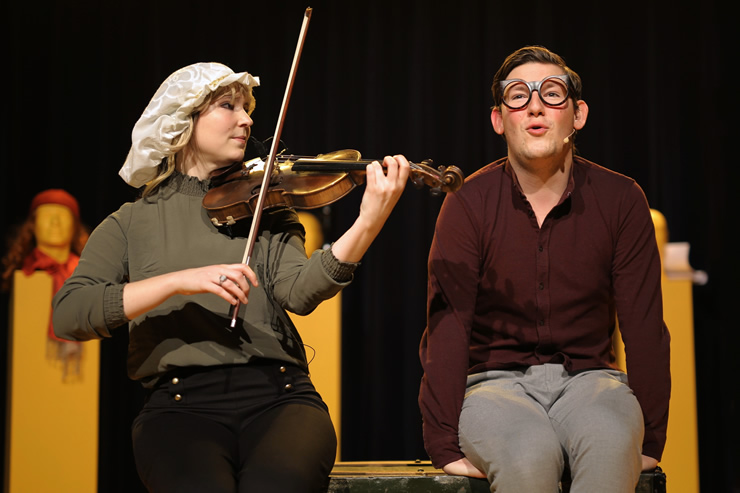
(221, 131)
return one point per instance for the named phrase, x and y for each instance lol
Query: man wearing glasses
(532, 262)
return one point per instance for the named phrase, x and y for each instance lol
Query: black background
(388, 77)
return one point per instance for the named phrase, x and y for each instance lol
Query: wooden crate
(421, 477)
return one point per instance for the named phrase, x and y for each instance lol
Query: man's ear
(581, 115)
(497, 121)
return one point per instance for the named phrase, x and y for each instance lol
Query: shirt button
(542, 286)
(282, 369)
(175, 381)
(542, 322)
(540, 248)
(178, 397)
(288, 386)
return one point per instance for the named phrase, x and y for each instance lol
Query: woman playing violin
(229, 409)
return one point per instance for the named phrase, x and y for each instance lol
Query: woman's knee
(183, 453)
(291, 449)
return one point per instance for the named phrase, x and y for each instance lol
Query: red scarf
(38, 260)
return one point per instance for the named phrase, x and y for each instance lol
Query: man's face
(537, 131)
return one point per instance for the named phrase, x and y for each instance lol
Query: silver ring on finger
(221, 279)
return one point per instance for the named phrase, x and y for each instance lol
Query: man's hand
(648, 463)
(463, 467)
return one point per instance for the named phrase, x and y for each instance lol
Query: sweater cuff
(339, 271)
(652, 446)
(444, 451)
(113, 306)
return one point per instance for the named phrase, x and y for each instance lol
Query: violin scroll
(440, 180)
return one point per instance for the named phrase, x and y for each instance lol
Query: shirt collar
(570, 187)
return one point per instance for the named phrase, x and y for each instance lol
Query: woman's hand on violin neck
(231, 282)
(382, 191)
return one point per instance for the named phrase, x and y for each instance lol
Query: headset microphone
(567, 139)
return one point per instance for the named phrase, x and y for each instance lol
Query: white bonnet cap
(166, 116)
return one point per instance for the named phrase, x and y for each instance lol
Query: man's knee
(536, 471)
(511, 465)
(611, 430)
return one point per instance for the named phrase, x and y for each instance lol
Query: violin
(305, 182)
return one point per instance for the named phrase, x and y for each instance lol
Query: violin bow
(270, 164)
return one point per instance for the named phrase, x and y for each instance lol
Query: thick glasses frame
(535, 86)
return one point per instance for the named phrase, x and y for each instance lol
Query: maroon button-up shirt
(505, 293)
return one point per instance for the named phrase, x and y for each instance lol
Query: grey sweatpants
(522, 428)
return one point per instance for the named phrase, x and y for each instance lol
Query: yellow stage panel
(52, 419)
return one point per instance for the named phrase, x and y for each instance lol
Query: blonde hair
(168, 164)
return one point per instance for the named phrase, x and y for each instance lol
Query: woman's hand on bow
(231, 282)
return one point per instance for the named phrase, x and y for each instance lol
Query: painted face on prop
(56, 216)
(54, 227)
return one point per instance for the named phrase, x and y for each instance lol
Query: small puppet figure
(51, 239)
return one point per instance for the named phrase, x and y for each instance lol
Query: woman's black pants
(235, 429)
